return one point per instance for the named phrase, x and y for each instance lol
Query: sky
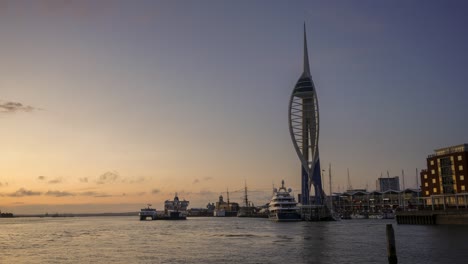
(106, 106)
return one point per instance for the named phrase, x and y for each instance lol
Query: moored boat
(175, 209)
(148, 212)
(283, 207)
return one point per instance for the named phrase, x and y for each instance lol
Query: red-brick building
(446, 171)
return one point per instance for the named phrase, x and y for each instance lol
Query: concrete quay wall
(433, 218)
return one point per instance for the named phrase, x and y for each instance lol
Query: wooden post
(391, 247)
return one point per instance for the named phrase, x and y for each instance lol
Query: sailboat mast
(246, 200)
(229, 207)
(330, 185)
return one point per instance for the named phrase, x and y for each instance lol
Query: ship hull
(285, 217)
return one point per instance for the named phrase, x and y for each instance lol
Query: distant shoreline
(77, 215)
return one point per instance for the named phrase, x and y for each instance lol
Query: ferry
(283, 207)
(176, 209)
(148, 212)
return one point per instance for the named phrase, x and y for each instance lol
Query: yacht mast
(246, 200)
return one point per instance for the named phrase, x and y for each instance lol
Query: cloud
(55, 181)
(204, 179)
(3, 184)
(85, 179)
(108, 177)
(101, 195)
(133, 180)
(13, 107)
(59, 193)
(95, 194)
(155, 191)
(89, 193)
(23, 192)
(41, 178)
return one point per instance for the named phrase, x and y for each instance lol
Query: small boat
(283, 206)
(388, 214)
(147, 212)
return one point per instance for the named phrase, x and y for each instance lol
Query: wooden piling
(391, 247)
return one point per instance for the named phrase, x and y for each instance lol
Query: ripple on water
(221, 240)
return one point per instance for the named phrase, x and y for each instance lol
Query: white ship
(176, 208)
(283, 207)
(148, 212)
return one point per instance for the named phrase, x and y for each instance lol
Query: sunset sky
(108, 105)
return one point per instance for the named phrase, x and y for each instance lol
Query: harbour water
(222, 240)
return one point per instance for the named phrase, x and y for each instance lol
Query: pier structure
(304, 130)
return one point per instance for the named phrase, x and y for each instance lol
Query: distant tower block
(304, 130)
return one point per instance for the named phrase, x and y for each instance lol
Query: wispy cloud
(85, 179)
(204, 179)
(23, 192)
(108, 177)
(55, 181)
(59, 193)
(207, 193)
(102, 195)
(95, 194)
(13, 107)
(137, 180)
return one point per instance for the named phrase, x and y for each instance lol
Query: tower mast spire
(306, 55)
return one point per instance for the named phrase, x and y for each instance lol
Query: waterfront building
(446, 171)
(389, 183)
(304, 130)
(360, 200)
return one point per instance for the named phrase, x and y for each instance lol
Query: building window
(426, 184)
(462, 177)
(432, 162)
(460, 157)
(460, 167)
(433, 180)
(433, 171)
(427, 192)
(463, 187)
(434, 190)
(425, 176)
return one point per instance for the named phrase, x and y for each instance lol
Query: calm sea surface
(223, 240)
